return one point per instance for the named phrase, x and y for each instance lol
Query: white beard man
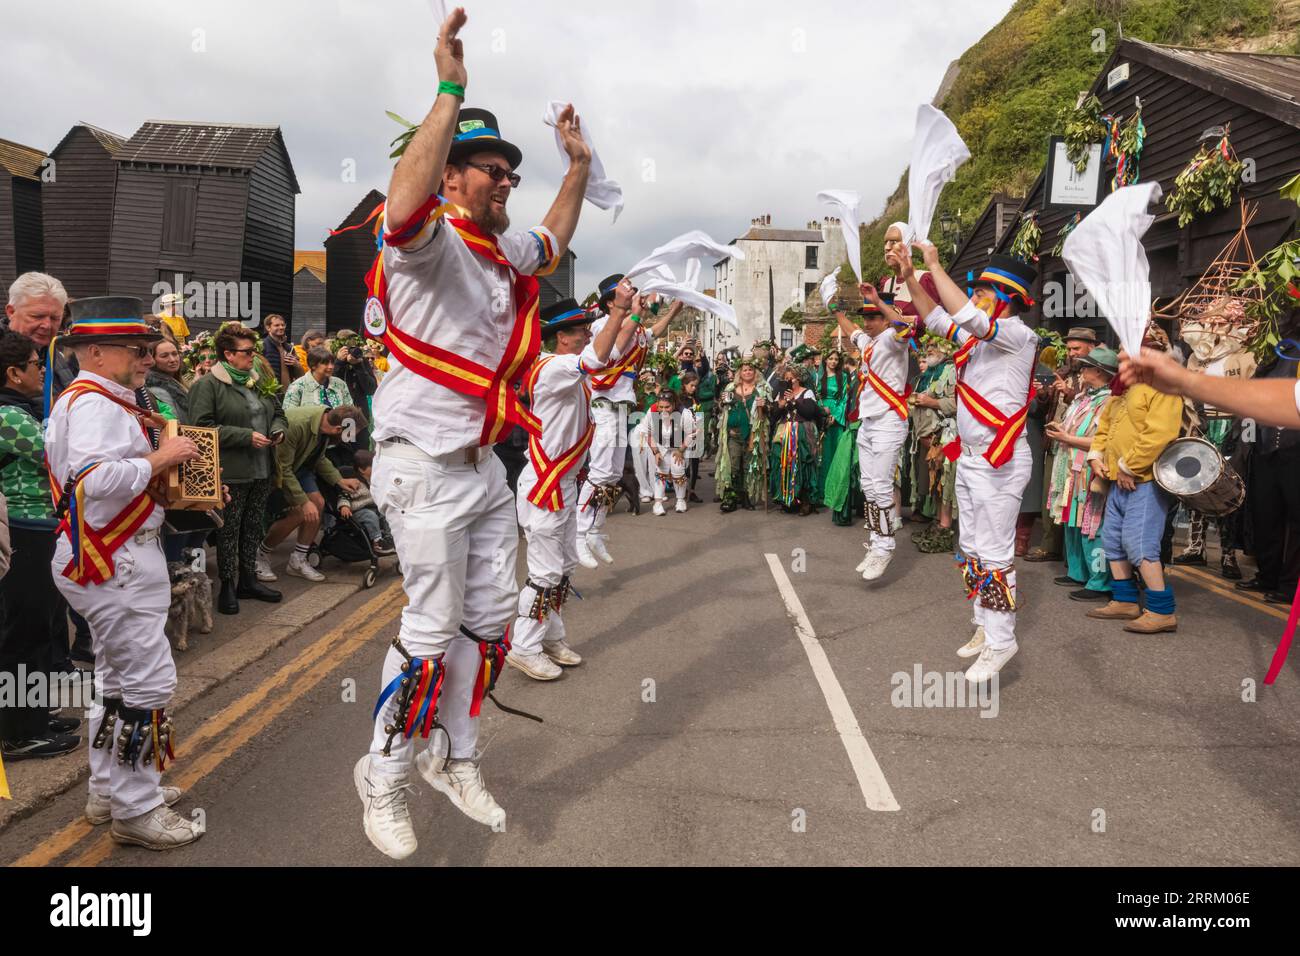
(110, 567)
(547, 500)
(995, 361)
(455, 301)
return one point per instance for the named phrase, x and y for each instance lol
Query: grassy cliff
(1010, 84)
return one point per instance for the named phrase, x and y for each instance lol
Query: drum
(1193, 471)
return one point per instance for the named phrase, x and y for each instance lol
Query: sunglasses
(248, 351)
(497, 173)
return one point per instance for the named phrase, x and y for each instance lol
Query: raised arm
(562, 219)
(419, 171)
(661, 324)
(615, 328)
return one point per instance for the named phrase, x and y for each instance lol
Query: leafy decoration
(1208, 181)
(1081, 126)
(402, 139)
(1064, 234)
(1028, 238)
(1276, 276)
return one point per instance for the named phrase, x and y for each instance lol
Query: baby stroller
(344, 539)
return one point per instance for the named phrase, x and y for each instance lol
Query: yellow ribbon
(4, 784)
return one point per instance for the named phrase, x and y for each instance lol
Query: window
(809, 290)
(810, 257)
(180, 204)
(787, 338)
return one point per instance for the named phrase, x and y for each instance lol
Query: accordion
(195, 485)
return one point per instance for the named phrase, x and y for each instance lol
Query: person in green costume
(742, 437)
(792, 465)
(832, 395)
(934, 424)
(841, 479)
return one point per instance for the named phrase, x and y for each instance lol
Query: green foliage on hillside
(1012, 82)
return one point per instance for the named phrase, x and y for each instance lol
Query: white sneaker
(162, 828)
(536, 665)
(462, 783)
(896, 524)
(645, 499)
(264, 572)
(596, 543)
(876, 563)
(561, 653)
(974, 645)
(99, 809)
(990, 661)
(659, 509)
(386, 818)
(680, 507)
(584, 554)
(866, 559)
(299, 568)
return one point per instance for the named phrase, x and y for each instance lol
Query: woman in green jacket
(233, 399)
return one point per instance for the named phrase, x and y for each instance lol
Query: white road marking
(871, 779)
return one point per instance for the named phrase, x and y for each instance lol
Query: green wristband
(455, 89)
(634, 318)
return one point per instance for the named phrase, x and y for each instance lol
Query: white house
(796, 259)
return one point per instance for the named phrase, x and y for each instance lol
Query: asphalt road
(697, 731)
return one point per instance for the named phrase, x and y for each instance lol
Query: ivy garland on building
(1028, 238)
(1124, 142)
(1064, 233)
(1208, 181)
(1277, 276)
(1081, 127)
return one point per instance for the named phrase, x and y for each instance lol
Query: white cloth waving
(845, 203)
(678, 252)
(602, 192)
(656, 282)
(1105, 254)
(829, 287)
(937, 151)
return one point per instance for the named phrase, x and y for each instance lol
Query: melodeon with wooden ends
(195, 485)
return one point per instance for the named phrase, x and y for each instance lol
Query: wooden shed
(998, 216)
(21, 235)
(308, 290)
(1184, 94)
(348, 257)
(559, 284)
(77, 203)
(211, 203)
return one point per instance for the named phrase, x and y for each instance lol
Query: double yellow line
(237, 724)
(1209, 582)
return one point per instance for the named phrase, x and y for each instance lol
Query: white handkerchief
(845, 203)
(689, 245)
(937, 151)
(688, 294)
(830, 285)
(1105, 254)
(602, 192)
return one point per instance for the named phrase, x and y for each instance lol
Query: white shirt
(447, 296)
(1297, 396)
(999, 368)
(560, 401)
(98, 430)
(624, 390)
(888, 359)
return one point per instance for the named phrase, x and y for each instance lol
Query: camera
(355, 351)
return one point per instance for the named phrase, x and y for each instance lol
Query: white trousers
(552, 543)
(604, 463)
(454, 528)
(880, 440)
(988, 504)
(133, 660)
(642, 461)
(665, 472)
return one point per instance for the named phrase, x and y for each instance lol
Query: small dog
(191, 606)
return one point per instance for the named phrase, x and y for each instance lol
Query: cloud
(708, 113)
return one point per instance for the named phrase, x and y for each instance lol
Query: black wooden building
(309, 295)
(210, 203)
(559, 284)
(998, 216)
(1184, 94)
(77, 203)
(21, 233)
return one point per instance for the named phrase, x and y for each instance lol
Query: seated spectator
(361, 506)
(1134, 428)
(318, 386)
(303, 467)
(33, 614)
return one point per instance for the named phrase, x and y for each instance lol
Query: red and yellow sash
(93, 548)
(891, 398)
(546, 493)
(631, 362)
(1007, 428)
(495, 387)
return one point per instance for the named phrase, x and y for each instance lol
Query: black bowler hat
(104, 318)
(477, 131)
(565, 314)
(605, 290)
(1009, 275)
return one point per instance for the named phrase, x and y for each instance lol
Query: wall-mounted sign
(1066, 186)
(1117, 76)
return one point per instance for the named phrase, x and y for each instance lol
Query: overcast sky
(707, 113)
